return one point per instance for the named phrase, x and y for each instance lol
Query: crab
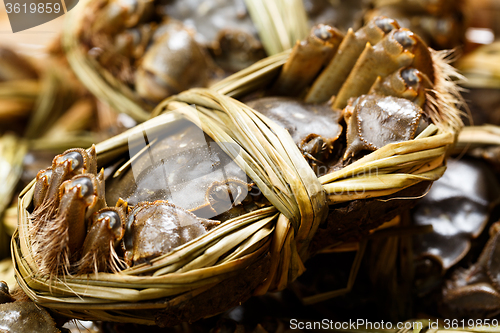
(162, 49)
(475, 292)
(74, 232)
(314, 128)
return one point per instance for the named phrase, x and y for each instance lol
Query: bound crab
(75, 232)
(179, 186)
(155, 49)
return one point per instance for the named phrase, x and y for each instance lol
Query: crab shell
(374, 121)
(155, 228)
(314, 128)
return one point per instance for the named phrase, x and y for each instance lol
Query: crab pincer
(104, 236)
(66, 195)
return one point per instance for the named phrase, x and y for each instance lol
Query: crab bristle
(41, 216)
(51, 248)
(89, 263)
(444, 100)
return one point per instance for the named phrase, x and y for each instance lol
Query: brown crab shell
(374, 121)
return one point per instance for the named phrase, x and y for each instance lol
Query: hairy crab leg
(409, 83)
(64, 166)
(105, 233)
(381, 59)
(333, 76)
(306, 60)
(61, 238)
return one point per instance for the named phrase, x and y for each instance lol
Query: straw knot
(271, 159)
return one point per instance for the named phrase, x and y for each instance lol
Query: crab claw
(79, 200)
(409, 83)
(475, 292)
(60, 238)
(64, 166)
(480, 300)
(105, 233)
(399, 48)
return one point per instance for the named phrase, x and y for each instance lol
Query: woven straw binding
(145, 293)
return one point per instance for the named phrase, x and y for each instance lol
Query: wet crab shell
(374, 121)
(155, 228)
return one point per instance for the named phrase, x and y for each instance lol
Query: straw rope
(272, 160)
(299, 203)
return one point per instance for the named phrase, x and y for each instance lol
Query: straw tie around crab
(271, 159)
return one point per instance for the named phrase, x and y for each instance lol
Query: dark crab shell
(180, 166)
(155, 228)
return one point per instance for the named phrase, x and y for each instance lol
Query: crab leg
(60, 239)
(107, 230)
(64, 166)
(380, 60)
(306, 60)
(332, 77)
(409, 83)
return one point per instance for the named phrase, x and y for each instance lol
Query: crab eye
(85, 184)
(386, 24)
(410, 76)
(75, 158)
(404, 38)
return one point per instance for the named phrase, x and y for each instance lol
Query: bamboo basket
(249, 255)
(279, 23)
